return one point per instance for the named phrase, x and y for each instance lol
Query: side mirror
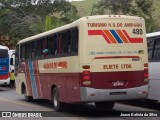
(11, 61)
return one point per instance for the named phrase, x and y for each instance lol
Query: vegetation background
(23, 18)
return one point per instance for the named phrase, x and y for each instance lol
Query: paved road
(10, 101)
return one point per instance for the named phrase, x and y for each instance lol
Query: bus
(153, 41)
(5, 65)
(98, 59)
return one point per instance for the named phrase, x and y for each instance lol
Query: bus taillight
(86, 77)
(146, 74)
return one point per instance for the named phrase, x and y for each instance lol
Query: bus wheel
(57, 105)
(27, 98)
(105, 105)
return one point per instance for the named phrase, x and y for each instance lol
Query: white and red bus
(153, 40)
(97, 59)
(6, 64)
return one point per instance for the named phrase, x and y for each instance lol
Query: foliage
(85, 7)
(142, 8)
(23, 18)
(114, 6)
(50, 23)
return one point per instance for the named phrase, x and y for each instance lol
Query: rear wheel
(57, 105)
(27, 98)
(105, 105)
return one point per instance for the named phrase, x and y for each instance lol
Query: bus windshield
(3, 53)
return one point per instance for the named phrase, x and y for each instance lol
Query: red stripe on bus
(28, 80)
(4, 77)
(133, 40)
(99, 32)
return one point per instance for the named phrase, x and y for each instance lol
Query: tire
(57, 105)
(27, 98)
(105, 105)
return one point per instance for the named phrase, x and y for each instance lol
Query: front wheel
(57, 105)
(104, 105)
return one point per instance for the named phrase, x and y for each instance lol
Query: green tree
(114, 6)
(20, 18)
(145, 9)
(142, 8)
(49, 23)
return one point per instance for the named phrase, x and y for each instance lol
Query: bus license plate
(118, 93)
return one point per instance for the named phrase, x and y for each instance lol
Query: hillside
(157, 8)
(85, 7)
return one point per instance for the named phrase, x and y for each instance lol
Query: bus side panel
(61, 83)
(73, 87)
(62, 73)
(154, 81)
(47, 80)
(44, 88)
(67, 83)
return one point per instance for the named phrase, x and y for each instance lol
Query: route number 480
(137, 31)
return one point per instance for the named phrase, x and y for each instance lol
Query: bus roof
(75, 24)
(154, 34)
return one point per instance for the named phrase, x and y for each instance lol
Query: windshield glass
(3, 53)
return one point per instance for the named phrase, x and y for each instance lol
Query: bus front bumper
(4, 82)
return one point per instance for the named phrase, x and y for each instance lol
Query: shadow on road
(4, 89)
(78, 110)
(143, 103)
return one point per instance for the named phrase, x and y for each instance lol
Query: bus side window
(17, 56)
(157, 48)
(39, 48)
(59, 44)
(62, 43)
(150, 43)
(44, 45)
(22, 54)
(74, 43)
(50, 45)
(68, 41)
(31, 50)
(55, 39)
(65, 43)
